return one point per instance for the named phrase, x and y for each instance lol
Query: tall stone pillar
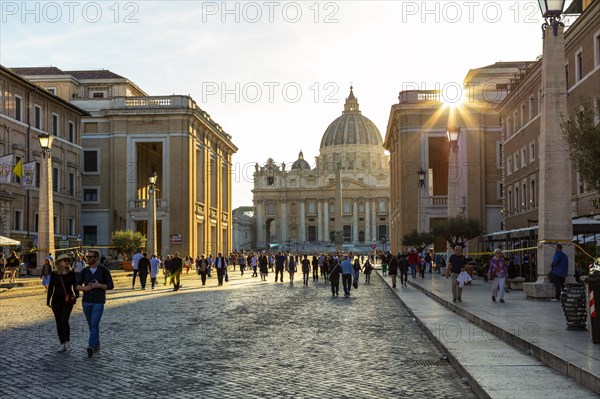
(355, 220)
(302, 223)
(260, 224)
(368, 236)
(326, 220)
(554, 212)
(339, 233)
(283, 222)
(374, 218)
(319, 221)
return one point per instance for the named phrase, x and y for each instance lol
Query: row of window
(521, 196)
(18, 223)
(520, 159)
(38, 119)
(57, 187)
(527, 114)
(579, 72)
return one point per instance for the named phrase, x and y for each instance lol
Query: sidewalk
(32, 282)
(536, 328)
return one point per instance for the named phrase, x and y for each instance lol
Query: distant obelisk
(339, 234)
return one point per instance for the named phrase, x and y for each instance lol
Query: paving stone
(247, 339)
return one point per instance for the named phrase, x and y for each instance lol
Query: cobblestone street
(248, 339)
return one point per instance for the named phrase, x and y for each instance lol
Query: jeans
(203, 277)
(403, 276)
(413, 270)
(335, 285)
(278, 269)
(220, 274)
(347, 283)
(93, 314)
(305, 277)
(135, 273)
(143, 279)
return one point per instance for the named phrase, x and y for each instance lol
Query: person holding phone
(94, 281)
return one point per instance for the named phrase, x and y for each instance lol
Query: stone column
(453, 182)
(45, 211)
(319, 221)
(339, 230)
(355, 220)
(260, 223)
(368, 236)
(374, 218)
(283, 223)
(302, 223)
(326, 220)
(554, 212)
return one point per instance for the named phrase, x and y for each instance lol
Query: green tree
(127, 242)
(418, 240)
(458, 230)
(582, 133)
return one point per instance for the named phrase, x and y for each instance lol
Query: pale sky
(273, 74)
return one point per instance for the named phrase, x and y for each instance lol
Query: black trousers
(559, 285)
(315, 273)
(335, 285)
(403, 276)
(347, 282)
(305, 277)
(153, 281)
(203, 277)
(220, 274)
(279, 270)
(61, 316)
(135, 273)
(143, 278)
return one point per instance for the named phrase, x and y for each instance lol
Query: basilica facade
(296, 207)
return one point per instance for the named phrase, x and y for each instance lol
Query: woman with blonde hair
(61, 297)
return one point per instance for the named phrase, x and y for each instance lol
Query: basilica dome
(352, 127)
(300, 163)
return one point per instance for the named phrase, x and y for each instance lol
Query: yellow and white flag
(18, 169)
(6, 168)
(28, 179)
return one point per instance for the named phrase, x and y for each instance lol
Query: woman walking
(46, 273)
(393, 269)
(61, 297)
(305, 270)
(264, 267)
(497, 273)
(368, 268)
(292, 267)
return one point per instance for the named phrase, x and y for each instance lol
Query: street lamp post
(554, 207)
(152, 180)
(421, 225)
(45, 228)
(453, 133)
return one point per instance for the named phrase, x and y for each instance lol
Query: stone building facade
(295, 207)
(26, 111)
(130, 135)
(417, 140)
(520, 113)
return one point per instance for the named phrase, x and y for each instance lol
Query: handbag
(226, 277)
(69, 299)
(355, 283)
(551, 276)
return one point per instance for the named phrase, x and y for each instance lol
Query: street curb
(478, 389)
(573, 371)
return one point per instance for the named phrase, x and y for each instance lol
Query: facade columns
(326, 220)
(282, 222)
(260, 223)
(367, 222)
(302, 223)
(355, 220)
(374, 218)
(319, 221)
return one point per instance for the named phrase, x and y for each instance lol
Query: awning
(7, 242)
(580, 226)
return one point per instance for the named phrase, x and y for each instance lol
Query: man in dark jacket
(176, 269)
(143, 269)
(221, 266)
(334, 275)
(403, 269)
(560, 268)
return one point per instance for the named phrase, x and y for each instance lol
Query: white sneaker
(554, 300)
(68, 347)
(61, 348)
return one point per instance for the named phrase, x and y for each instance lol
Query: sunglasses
(89, 257)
